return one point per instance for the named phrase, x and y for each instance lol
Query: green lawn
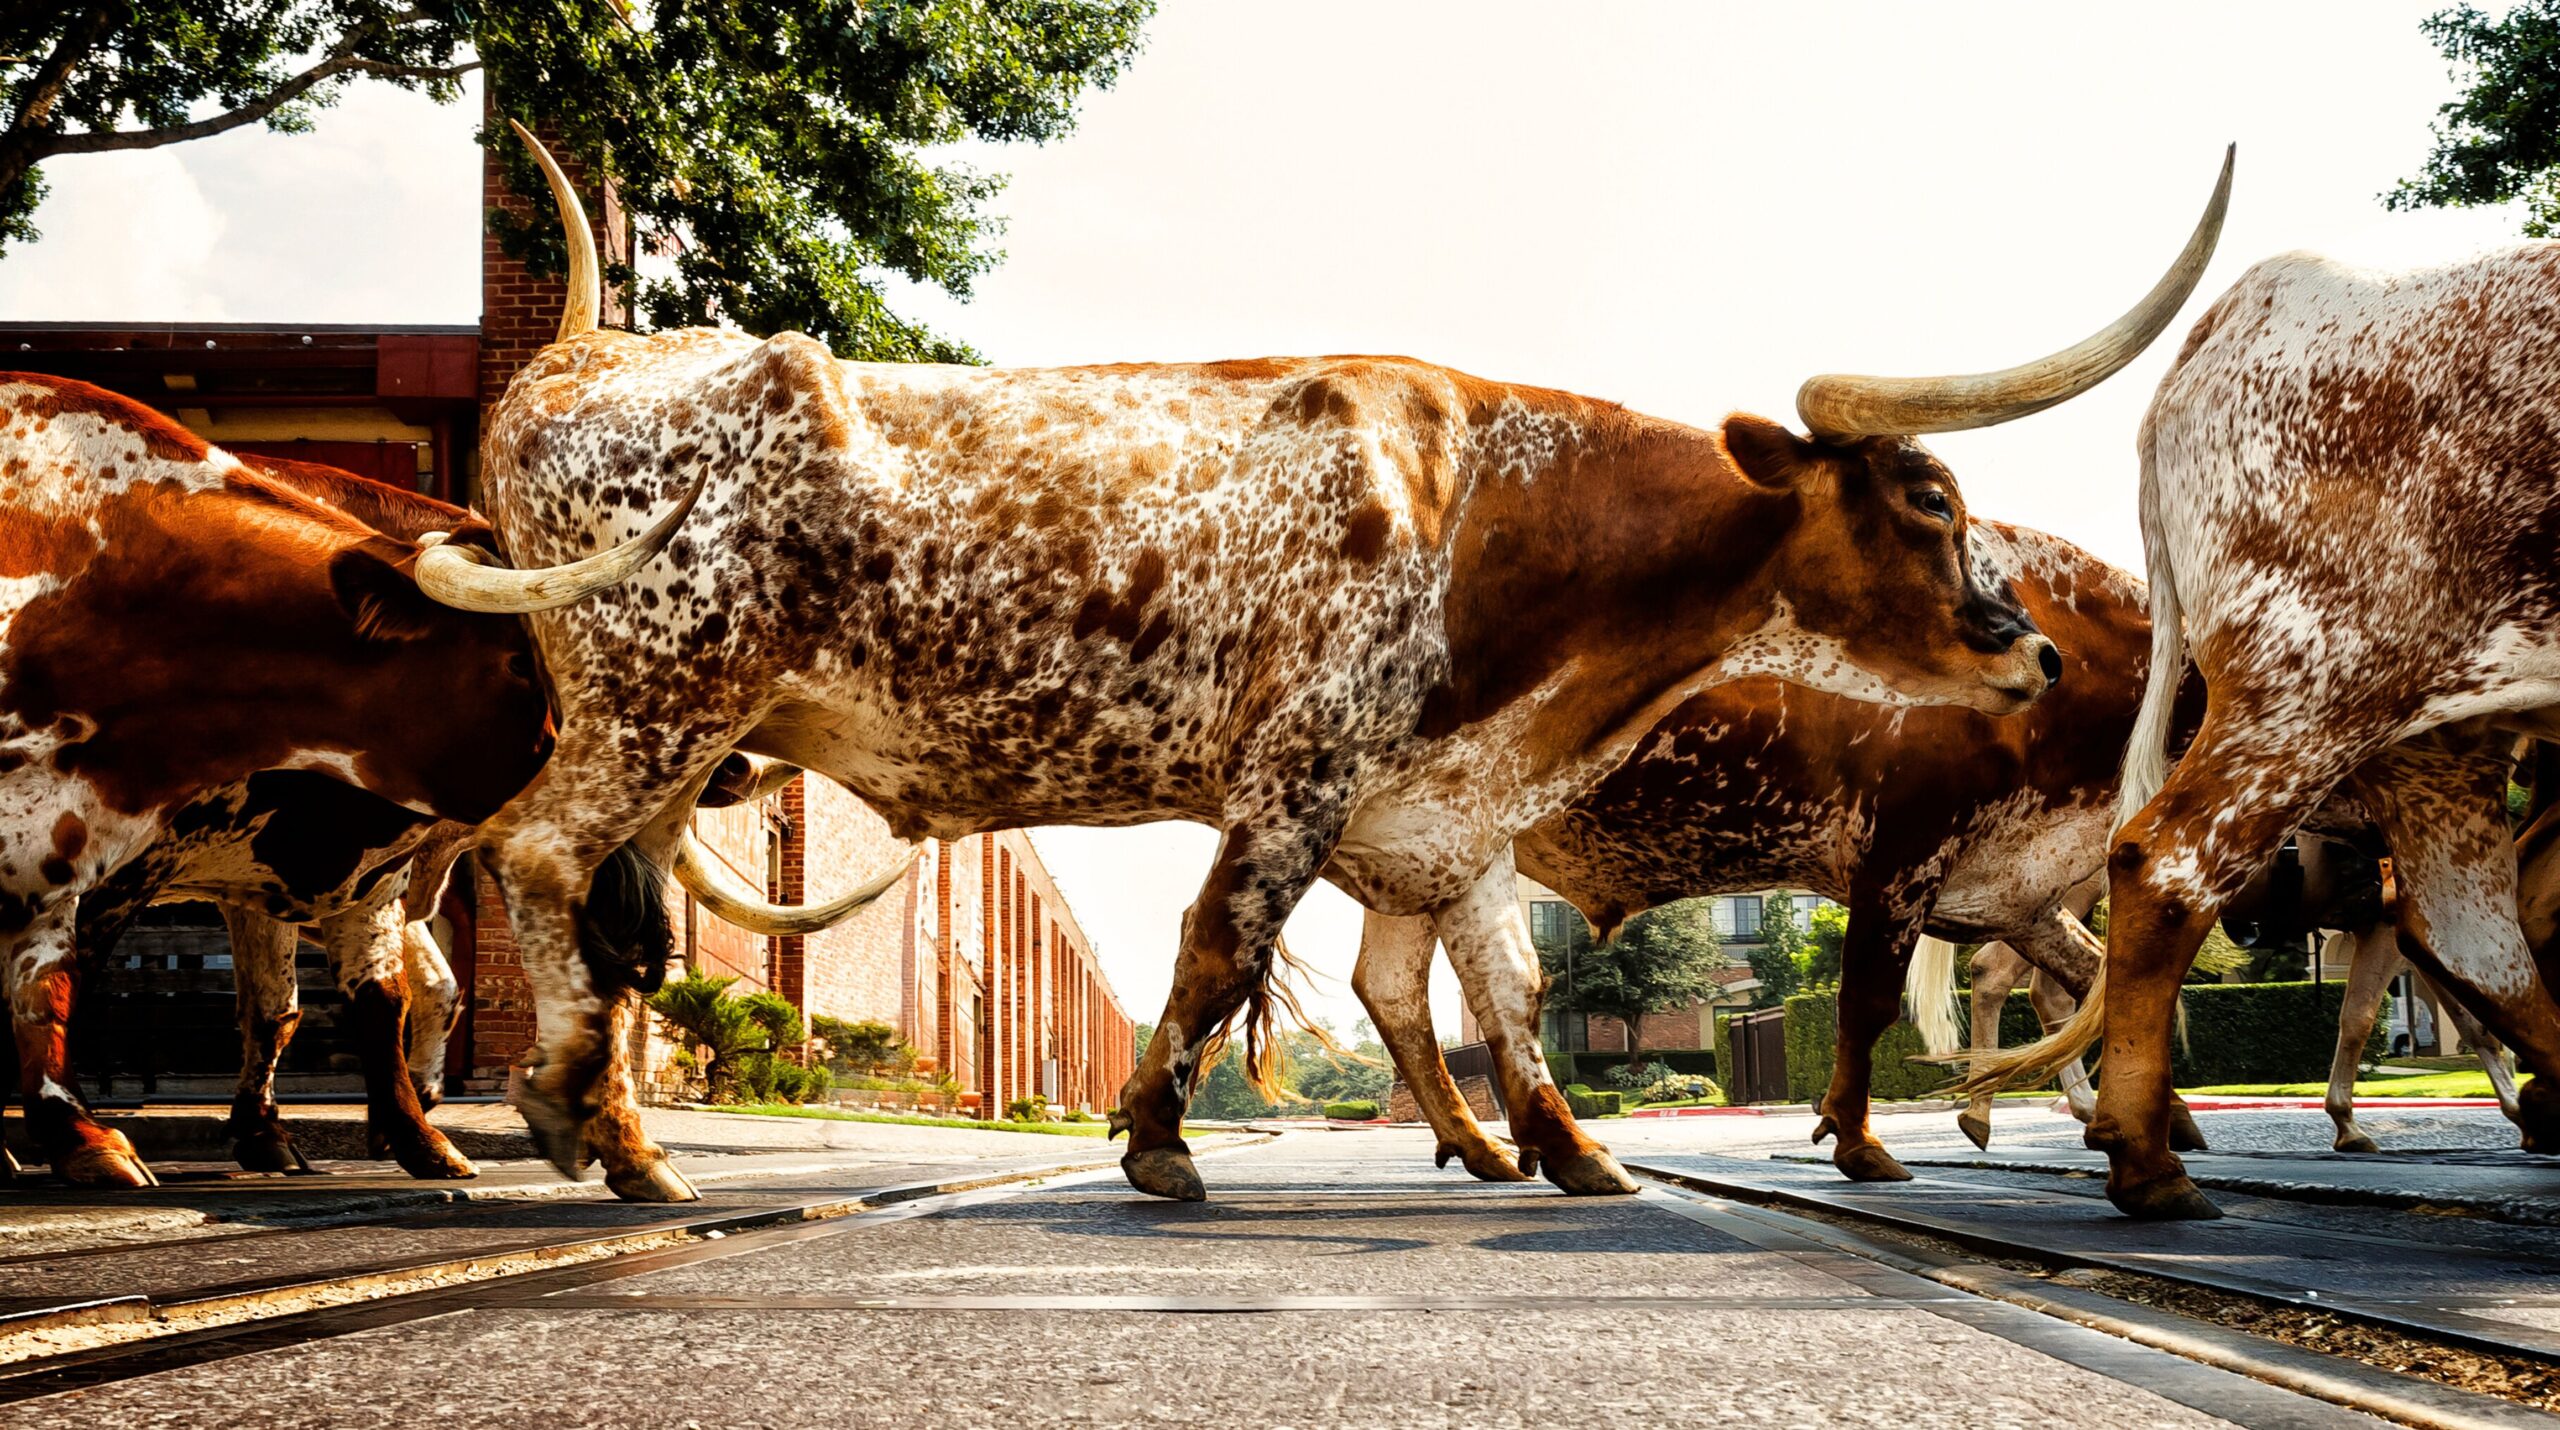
(1094, 1128)
(2474, 1083)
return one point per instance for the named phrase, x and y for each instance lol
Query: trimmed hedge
(1582, 1102)
(1361, 1110)
(2236, 1033)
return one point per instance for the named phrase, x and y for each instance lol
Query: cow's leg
(603, 786)
(1393, 979)
(2485, 1046)
(1996, 969)
(435, 1005)
(43, 984)
(1488, 943)
(1872, 964)
(366, 948)
(270, 1004)
(1263, 868)
(2173, 866)
(2440, 806)
(2369, 975)
(2054, 1005)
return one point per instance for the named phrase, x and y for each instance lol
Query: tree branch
(342, 60)
(44, 90)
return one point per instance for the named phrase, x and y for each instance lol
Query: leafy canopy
(781, 153)
(2500, 140)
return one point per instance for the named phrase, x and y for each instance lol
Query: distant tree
(1777, 959)
(1659, 961)
(2500, 140)
(780, 152)
(1361, 1070)
(1826, 933)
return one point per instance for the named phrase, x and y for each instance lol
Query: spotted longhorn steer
(2350, 504)
(225, 682)
(1942, 822)
(1368, 617)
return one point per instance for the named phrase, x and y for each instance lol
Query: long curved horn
(585, 298)
(460, 576)
(1837, 405)
(730, 900)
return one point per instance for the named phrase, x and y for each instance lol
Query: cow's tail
(1930, 988)
(624, 933)
(2146, 769)
(1272, 1002)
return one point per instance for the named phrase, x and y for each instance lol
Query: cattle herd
(1373, 620)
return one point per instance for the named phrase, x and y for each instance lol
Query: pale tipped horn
(461, 576)
(585, 298)
(730, 899)
(1840, 406)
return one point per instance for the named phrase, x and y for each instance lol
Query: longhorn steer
(225, 682)
(1922, 821)
(1368, 617)
(2349, 503)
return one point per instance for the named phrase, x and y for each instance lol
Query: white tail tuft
(1929, 987)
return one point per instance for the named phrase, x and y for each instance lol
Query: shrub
(1679, 1087)
(1358, 1110)
(1075, 1114)
(1592, 1069)
(1034, 1108)
(821, 1083)
(863, 1047)
(1607, 1104)
(727, 1027)
(790, 1081)
(1581, 1101)
(1627, 1077)
(755, 1076)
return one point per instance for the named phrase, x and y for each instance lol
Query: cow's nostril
(2050, 658)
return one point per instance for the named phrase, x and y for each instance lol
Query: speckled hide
(1942, 821)
(2350, 508)
(1368, 617)
(218, 681)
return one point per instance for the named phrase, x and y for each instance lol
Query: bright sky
(1685, 207)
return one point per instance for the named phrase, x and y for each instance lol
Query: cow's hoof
(2538, 1116)
(2172, 1198)
(558, 1133)
(1120, 1122)
(657, 1181)
(94, 1166)
(1825, 1128)
(1869, 1162)
(1483, 1160)
(2184, 1135)
(1590, 1174)
(1164, 1172)
(1976, 1130)
(268, 1150)
(432, 1159)
(2355, 1142)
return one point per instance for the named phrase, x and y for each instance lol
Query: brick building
(976, 958)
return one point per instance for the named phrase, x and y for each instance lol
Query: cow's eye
(1933, 500)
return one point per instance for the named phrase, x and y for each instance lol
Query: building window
(1743, 917)
(1557, 928)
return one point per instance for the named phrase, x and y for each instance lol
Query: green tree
(2500, 140)
(1661, 960)
(1777, 959)
(777, 150)
(1826, 933)
(728, 1028)
(1361, 1071)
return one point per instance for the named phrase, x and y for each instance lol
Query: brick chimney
(520, 313)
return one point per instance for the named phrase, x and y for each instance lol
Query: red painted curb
(2213, 1105)
(1698, 1112)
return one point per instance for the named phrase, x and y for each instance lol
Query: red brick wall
(860, 968)
(1051, 998)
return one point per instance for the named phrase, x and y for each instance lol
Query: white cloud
(125, 235)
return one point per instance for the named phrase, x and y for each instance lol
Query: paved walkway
(1331, 1279)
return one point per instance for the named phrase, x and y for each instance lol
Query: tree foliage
(725, 1027)
(1776, 959)
(2499, 141)
(1660, 960)
(781, 153)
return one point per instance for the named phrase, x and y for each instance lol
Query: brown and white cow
(2350, 497)
(215, 682)
(1367, 616)
(1943, 822)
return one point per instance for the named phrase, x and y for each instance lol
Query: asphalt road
(1332, 1279)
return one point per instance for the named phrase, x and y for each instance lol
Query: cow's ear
(1766, 452)
(382, 600)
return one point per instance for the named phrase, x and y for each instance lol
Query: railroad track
(2063, 1252)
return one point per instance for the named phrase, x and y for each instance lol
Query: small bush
(755, 1077)
(1075, 1114)
(821, 1083)
(1679, 1087)
(1359, 1110)
(1607, 1104)
(1627, 1077)
(1582, 1102)
(790, 1082)
(1034, 1108)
